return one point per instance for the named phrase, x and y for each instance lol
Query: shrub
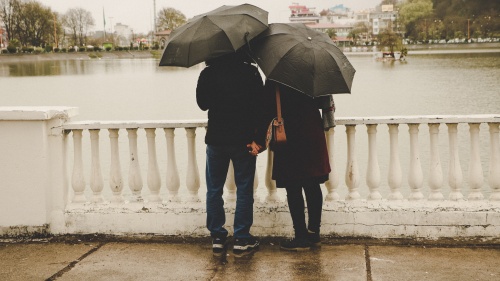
(64, 50)
(56, 50)
(108, 49)
(48, 49)
(11, 49)
(71, 49)
(37, 50)
(145, 48)
(82, 49)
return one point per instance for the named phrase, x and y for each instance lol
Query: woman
(302, 164)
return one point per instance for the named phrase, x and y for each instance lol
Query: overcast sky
(138, 14)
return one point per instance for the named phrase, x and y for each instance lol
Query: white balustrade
(272, 195)
(494, 173)
(172, 176)
(96, 181)
(230, 184)
(435, 170)
(193, 176)
(455, 178)
(351, 171)
(115, 174)
(333, 178)
(415, 176)
(154, 180)
(395, 175)
(134, 174)
(373, 169)
(475, 170)
(78, 179)
(434, 182)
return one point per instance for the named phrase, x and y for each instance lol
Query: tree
(78, 21)
(9, 13)
(332, 33)
(170, 18)
(35, 24)
(390, 40)
(415, 15)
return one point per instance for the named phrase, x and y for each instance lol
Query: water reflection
(45, 68)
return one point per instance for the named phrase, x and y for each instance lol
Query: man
(229, 88)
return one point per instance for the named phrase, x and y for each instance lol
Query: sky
(138, 14)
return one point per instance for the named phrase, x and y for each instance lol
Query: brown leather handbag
(276, 136)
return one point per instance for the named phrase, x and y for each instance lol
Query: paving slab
(161, 261)
(37, 261)
(424, 263)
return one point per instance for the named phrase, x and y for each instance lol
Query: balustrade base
(361, 218)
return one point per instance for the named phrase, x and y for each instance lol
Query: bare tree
(170, 18)
(9, 12)
(78, 21)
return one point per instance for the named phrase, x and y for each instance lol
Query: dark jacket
(229, 90)
(304, 158)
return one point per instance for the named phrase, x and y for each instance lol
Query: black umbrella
(303, 59)
(210, 35)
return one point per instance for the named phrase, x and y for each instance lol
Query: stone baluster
(115, 173)
(395, 176)
(193, 176)
(475, 170)
(373, 169)
(172, 177)
(435, 172)
(230, 184)
(455, 178)
(77, 178)
(494, 173)
(415, 176)
(352, 172)
(154, 180)
(134, 175)
(96, 181)
(333, 178)
(272, 195)
(255, 187)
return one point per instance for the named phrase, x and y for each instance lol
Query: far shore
(415, 49)
(79, 56)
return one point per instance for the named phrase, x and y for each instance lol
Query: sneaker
(218, 245)
(314, 238)
(245, 245)
(296, 245)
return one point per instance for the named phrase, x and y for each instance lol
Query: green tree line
(31, 24)
(425, 20)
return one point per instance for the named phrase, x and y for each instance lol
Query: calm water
(140, 90)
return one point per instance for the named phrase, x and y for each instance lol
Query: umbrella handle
(246, 39)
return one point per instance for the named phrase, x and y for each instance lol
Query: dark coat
(304, 158)
(229, 90)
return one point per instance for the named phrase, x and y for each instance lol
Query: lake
(137, 89)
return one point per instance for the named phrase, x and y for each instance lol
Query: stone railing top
(25, 113)
(135, 124)
(422, 119)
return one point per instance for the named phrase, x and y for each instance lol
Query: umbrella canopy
(303, 59)
(210, 35)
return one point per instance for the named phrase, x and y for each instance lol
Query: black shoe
(296, 245)
(218, 245)
(244, 246)
(314, 238)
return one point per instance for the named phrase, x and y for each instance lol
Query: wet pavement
(128, 259)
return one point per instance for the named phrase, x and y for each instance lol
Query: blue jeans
(244, 173)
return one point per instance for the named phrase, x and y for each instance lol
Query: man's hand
(254, 148)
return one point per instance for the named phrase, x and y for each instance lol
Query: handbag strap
(278, 104)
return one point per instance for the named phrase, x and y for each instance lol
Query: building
(383, 18)
(162, 37)
(303, 14)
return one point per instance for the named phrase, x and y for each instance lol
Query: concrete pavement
(84, 258)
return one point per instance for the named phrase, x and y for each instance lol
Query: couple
(240, 108)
